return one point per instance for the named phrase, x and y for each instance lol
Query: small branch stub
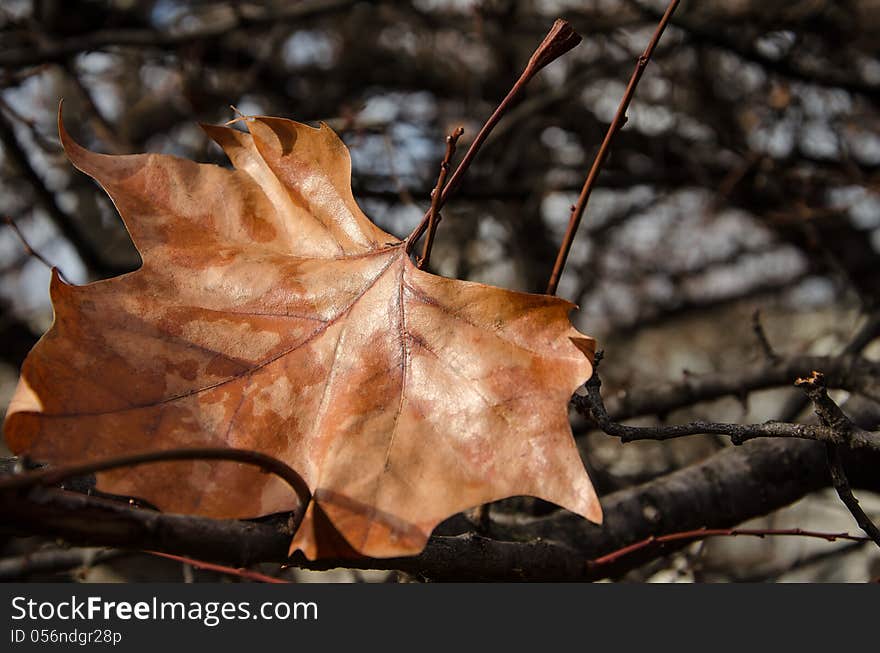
(560, 39)
(831, 416)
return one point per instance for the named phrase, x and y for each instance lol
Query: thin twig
(53, 476)
(45, 144)
(763, 340)
(831, 416)
(560, 39)
(593, 406)
(844, 491)
(240, 572)
(615, 126)
(434, 211)
(30, 251)
(702, 533)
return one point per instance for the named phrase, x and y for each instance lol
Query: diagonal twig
(240, 572)
(617, 123)
(560, 39)
(30, 251)
(703, 533)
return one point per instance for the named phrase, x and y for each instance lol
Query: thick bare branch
(734, 485)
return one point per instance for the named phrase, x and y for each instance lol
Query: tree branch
(577, 211)
(734, 485)
(592, 405)
(61, 50)
(30, 251)
(434, 211)
(560, 39)
(832, 417)
(65, 224)
(703, 533)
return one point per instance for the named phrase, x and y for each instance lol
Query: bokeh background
(747, 177)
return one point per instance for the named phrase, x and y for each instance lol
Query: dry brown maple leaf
(271, 314)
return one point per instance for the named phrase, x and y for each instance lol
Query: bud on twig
(560, 39)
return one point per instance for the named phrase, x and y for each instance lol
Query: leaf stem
(577, 211)
(560, 39)
(434, 211)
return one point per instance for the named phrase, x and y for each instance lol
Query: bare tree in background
(746, 178)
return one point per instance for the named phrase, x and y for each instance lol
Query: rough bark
(732, 486)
